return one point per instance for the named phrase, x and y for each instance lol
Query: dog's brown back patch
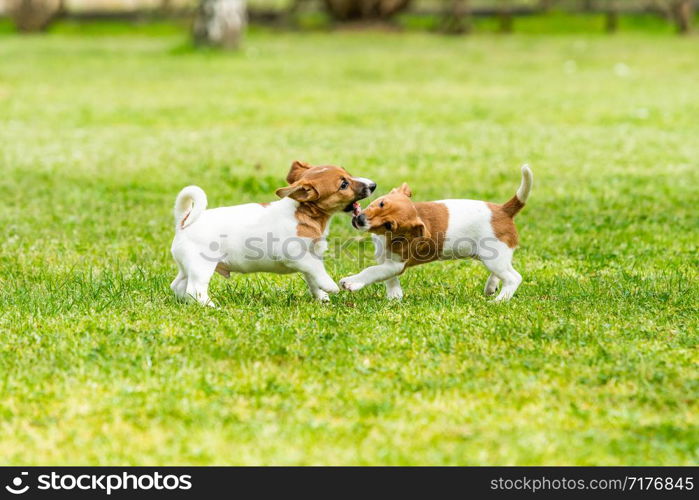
(503, 224)
(417, 250)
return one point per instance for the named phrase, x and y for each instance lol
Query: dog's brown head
(393, 213)
(328, 187)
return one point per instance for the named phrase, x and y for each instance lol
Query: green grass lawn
(593, 362)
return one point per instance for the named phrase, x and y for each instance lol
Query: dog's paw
(395, 294)
(330, 287)
(321, 296)
(349, 284)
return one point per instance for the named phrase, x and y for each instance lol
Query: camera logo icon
(16, 487)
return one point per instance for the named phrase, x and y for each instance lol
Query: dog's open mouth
(359, 221)
(353, 207)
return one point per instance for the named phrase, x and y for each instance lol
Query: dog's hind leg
(500, 264)
(199, 272)
(179, 285)
(491, 286)
(510, 283)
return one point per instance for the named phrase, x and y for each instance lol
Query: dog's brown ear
(296, 171)
(419, 230)
(403, 189)
(298, 191)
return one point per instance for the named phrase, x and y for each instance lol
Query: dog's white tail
(189, 205)
(516, 203)
(527, 182)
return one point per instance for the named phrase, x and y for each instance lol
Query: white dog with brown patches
(406, 234)
(282, 237)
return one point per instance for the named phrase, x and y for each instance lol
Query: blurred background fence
(226, 19)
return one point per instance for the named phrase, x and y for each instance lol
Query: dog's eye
(381, 204)
(387, 225)
(344, 184)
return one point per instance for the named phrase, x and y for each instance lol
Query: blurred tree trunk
(165, 7)
(294, 8)
(505, 17)
(682, 13)
(545, 5)
(33, 15)
(457, 17)
(612, 18)
(220, 23)
(356, 10)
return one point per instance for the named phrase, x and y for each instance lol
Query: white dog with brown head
(284, 236)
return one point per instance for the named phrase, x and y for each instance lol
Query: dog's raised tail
(189, 205)
(516, 203)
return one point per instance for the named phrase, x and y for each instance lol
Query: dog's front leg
(387, 270)
(393, 289)
(319, 281)
(315, 290)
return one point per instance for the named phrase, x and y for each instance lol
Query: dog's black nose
(372, 187)
(361, 220)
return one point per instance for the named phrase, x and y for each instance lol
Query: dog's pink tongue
(356, 208)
